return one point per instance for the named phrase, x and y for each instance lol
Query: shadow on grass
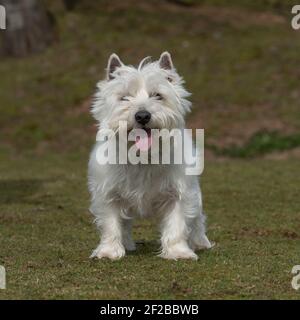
(153, 248)
(144, 248)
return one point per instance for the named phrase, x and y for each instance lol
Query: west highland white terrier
(149, 97)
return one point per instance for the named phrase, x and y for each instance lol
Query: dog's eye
(156, 95)
(124, 98)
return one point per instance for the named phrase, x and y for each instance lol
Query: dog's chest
(147, 191)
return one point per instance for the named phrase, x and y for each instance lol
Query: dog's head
(151, 96)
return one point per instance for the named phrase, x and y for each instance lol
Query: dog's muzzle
(142, 117)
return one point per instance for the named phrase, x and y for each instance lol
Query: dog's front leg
(111, 235)
(175, 235)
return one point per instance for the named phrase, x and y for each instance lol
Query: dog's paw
(111, 251)
(202, 243)
(178, 251)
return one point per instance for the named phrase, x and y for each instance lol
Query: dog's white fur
(121, 192)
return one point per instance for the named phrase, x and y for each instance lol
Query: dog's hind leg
(197, 236)
(127, 236)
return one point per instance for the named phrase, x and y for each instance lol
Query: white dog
(150, 96)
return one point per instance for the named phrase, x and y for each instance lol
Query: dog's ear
(165, 61)
(114, 63)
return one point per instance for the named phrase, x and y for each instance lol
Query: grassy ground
(46, 236)
(241, 66)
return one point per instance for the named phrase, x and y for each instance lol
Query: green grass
(46, 236)
(259, 144)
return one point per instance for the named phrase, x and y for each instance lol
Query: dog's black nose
(143, 117)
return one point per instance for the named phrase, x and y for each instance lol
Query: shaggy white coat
(121, 192)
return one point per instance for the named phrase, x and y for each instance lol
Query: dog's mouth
(143, 142)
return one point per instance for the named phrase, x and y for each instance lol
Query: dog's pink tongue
(144, 143)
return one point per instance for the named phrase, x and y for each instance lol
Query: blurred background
(239, 59)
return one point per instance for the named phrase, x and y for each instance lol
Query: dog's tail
(144, 62)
